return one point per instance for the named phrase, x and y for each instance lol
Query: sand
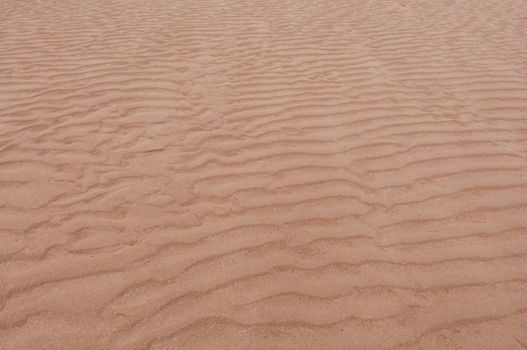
(223, 174)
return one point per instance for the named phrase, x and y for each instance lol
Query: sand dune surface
(223, 174)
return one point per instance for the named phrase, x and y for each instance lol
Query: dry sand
(222, 174)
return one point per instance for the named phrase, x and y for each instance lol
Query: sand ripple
(180, 174)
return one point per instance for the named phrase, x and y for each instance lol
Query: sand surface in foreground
(339, 174)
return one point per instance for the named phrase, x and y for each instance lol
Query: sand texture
(263, 174)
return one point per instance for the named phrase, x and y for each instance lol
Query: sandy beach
(267, 175)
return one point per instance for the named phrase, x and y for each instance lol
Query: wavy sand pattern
(222, 174)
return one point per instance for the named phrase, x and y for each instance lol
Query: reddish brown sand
(263, 174)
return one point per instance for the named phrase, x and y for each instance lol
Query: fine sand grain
(263, 174)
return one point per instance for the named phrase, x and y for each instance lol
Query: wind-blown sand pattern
(180, 174)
